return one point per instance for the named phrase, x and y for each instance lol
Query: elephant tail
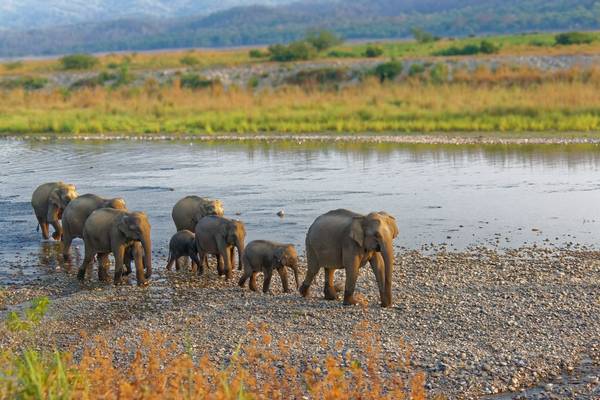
(37, 229)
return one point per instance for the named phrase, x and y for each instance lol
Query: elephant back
(189, 210)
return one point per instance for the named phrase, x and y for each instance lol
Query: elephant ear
(391, 223)
(356, 231)
(54, 197)
(126, 226)
(225, 231)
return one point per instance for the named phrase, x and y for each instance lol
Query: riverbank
(477, 322)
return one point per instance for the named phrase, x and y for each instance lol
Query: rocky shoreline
(466, 138)
(521, 323)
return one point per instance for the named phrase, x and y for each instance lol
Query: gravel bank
(479, 322)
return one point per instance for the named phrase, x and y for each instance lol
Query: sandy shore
(466, 138)
(479, 322)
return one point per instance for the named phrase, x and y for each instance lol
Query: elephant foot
(56, 236)
(144, 283)
(81, 275)
(350, 300)
(304, 290)
(330, 294)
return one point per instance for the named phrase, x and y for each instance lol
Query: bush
(25, 82)
(78, 61)
(321, 76)
(194, 81)
(189, 60)
(388, 71)
(485, 47)
(94, 81)
(439, 73)
(255, 53)
(416, 69)
(570, 38)
(373, 51)
(323, 40)
(423, 36)
(9, 66)
(293, 52)
(341, 54)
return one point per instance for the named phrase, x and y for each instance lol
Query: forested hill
(267, 24)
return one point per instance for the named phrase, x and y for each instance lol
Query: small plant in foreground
(33, 315)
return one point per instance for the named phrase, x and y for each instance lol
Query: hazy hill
(264, 24)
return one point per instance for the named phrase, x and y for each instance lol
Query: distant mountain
(258, 24)
(34, 14)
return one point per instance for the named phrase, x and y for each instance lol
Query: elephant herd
(338, 239)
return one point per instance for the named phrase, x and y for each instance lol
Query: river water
(502, 195)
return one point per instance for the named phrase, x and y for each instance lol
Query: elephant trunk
(147, 244)
(387, 251)
(295, 269)
(240, 249)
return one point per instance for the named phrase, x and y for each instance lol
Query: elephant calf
(117, 231)
(264, 256)
(183, 244)
(219, 236)
(78, 211)
(49, 201)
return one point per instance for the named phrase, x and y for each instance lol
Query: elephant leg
(252, 284)
(44, 228)
(243, 279)
(268, 274)
(66, 246)
(284, 279)
(103, 267)
(119, 253)
(377, 266)
(329, 288)
(86, 264)
(196, 261)
(312, 271)
(220, 269)
(57, 235)
(171, 261)
(137, 255)
(351, 277)
(178, 262)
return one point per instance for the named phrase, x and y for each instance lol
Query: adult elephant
(345, 239)
(191, 209)
(49, 201)
(114, 231)
(78, 211)
(219, 236)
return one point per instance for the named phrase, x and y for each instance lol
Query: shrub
(189, 60)
(79, 61)
(439, 73)
(320, 76)
(416, 69)
(323, 40)
(293, 52)
(33, 315)
(256, 53)
(485, 47)
(9, 66)
(373, 51)
(388, 71)
(570, 38)
(423, 36)
(25, 82)
(341, 54)
(194, 81)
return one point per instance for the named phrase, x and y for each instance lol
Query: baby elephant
(183, 244)
(264, 256)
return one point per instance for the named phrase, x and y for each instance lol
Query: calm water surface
(458, 195)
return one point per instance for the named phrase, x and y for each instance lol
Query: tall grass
(504, 100)
(260, 368)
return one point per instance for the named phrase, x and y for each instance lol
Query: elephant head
(234, 233)
(62, 194)
(117, 203)
(135, 226)
(208, 207)
(286, 256)
(376, 232)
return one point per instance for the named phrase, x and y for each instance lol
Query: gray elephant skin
(78, 211)
(264, 256)
(49, 201)
(183, 244)
(191, 209)
(219, 236)
(115, 231)
(344, 239)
